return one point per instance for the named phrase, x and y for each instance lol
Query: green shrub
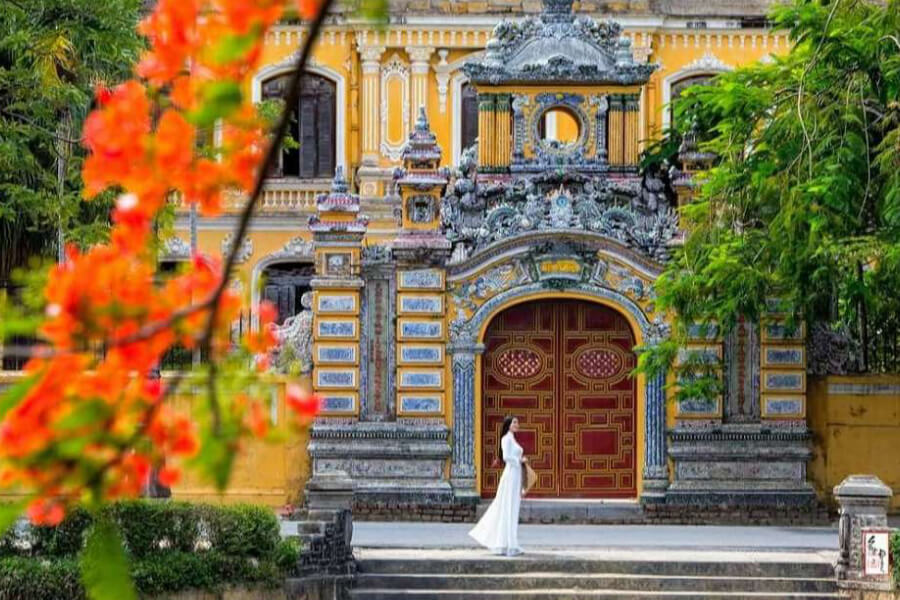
(242, 530)
(34, 579)
(163, 542)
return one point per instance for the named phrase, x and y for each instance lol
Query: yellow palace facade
(463, 233)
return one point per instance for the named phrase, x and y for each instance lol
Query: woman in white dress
(498, 528)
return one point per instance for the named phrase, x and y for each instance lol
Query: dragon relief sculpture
(636, 213)
(295, 337)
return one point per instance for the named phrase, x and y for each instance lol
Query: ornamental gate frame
(467, 346)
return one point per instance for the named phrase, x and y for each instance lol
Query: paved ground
(564, 537)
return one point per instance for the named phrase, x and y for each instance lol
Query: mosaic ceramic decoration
(783, 406)
(421, 379)
(788, 356)
(421, 304)
(421, 279)
(698, 407)
(336, 378)
(420, 404)
(336, 304)
(784, 382)
(338, 404)
(426, 330)
(336, 354)
(778, 332)
(336, 329)
(421, 354)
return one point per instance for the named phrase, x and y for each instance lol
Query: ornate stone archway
(466, 348)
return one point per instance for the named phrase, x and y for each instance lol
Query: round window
(559, 127)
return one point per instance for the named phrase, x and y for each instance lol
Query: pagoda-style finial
(421, 150)
(556, 9)
(339, 184)
(422, 120)
(624, 54)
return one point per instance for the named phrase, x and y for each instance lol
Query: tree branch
(276, 138)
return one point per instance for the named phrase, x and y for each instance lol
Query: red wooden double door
(562, 367)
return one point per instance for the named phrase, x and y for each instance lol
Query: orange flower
(304, 404)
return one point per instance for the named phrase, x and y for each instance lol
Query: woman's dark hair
(503, 431)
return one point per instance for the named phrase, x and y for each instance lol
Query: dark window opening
(469, 117)
(285, 284)
(313, 127)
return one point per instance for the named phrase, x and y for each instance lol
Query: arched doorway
(562, 367)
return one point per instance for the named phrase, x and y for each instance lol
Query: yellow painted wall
(854, 431)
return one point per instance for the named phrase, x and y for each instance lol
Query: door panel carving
(562, 367)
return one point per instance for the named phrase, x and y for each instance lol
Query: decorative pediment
(557, 46)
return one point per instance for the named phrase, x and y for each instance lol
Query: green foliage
(52, 54)
(895, 557)
(168, 547)
(803, 203)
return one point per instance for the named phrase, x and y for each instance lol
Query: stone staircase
(470, 574)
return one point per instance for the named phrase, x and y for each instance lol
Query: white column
(419, 57)
(370, 59)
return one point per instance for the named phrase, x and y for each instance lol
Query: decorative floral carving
(243, 253)
(474, 218)
(175, 248)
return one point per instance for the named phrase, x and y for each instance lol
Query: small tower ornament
(421, 181)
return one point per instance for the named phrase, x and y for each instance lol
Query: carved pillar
(602, 103)
(419, 58)
(502, 122)
(462, 469)
(632, 107)
(656, 478)
(486, 131)
(616, 121)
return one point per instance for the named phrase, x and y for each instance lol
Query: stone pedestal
(326, 530)
(738, 465)
(388, 462)
(864, 501)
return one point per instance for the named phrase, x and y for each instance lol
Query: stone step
(571, 594)
(568, 565)
(581, 511)
(594, 581)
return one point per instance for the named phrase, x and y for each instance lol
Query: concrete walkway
(412, 535)
(455, 535)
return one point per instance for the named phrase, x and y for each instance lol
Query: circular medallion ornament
(599, 364)
(519, 363)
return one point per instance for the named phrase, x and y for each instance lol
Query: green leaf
(15, 393)
(10, 513)
(220, 99)
(233, 47)
(104, 565)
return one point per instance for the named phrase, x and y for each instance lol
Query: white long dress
(498, 528)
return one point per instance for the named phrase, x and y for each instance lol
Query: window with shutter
(285, 283)
(469, 117)
(313, 123)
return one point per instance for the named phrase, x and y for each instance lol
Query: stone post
(462, 471)
(656, 477)
(327, 530)
(863, 500)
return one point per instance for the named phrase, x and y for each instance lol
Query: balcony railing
(279, 195)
